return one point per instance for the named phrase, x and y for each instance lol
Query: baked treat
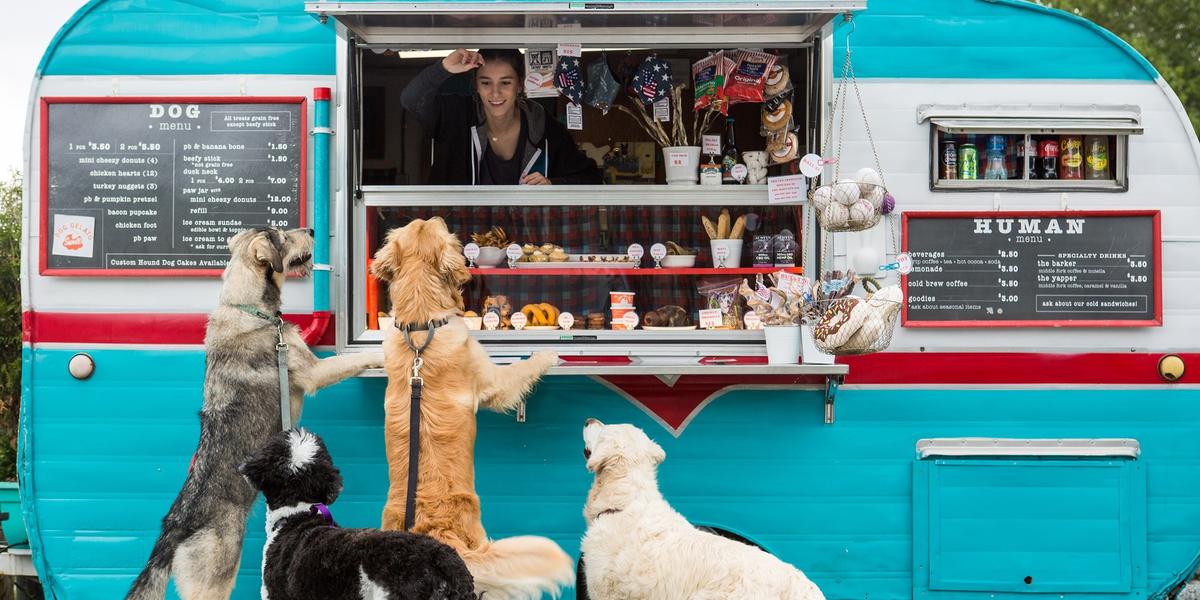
(558, 255)
(787, 152)
(595, 320)
(667, 316)
(840, 321)
(499, 305)
(777, 118)
(778, 79)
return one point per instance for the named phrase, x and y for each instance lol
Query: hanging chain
(838, 108)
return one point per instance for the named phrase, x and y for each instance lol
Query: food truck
(1025, 426)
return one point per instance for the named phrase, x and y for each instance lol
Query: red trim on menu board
(134, 328)
(1156, 322)
(44, 184)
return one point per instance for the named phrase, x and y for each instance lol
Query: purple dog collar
(323, 511)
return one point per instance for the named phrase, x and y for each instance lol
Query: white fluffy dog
(637, 547)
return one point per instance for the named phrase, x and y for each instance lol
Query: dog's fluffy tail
(151, 583)
(520, 568)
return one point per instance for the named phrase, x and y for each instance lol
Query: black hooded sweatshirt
(459, 130)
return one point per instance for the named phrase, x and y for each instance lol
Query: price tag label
(739, 172)
(658, 252)
(677, 159)
(710, 318)
(905, 262)
(471, 251)
(712, 144)
(753, 321)
(566, 320)
(763, 293)
(514, 252)
(574, 116)
(518, 320)
(570, 50)
(662, 110)
(793, 283)
(720, 253)
(786, 189)
(810, 165)
(631, 320)
(491, 321)
(636, 253)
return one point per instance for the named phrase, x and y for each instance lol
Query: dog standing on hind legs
(200, 544)
(424, 267)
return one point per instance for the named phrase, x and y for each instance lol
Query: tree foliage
(1164, 31)
(10, 321)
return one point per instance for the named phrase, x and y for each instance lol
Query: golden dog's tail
(520, 568)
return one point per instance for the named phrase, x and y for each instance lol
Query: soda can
(968, 162)
(949, 160)
(1048, 155)
(1097, 157)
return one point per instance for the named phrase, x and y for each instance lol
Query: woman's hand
(461, 61)
(535, 179)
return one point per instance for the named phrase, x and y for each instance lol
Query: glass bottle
(729, 153)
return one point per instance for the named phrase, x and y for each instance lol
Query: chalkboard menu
(155, 186)
(1072, 268)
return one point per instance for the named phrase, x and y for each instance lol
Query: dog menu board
(1067, 268)
(155, 186)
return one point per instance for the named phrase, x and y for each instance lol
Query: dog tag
(566, 320)
(471, 251)
(753, 321)
(631, 320)
(636, 252)
(491, 321)
(518, 320)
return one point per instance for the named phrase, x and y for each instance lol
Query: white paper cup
(682, 164)
(783, 344)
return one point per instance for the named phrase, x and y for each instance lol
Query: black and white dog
(307, 556)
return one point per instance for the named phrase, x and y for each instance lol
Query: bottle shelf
(643, 272)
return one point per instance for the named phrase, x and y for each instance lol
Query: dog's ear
(387, 259)
(453, 265)
(657, 454)
(266, 251)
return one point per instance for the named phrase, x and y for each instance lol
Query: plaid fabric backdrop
(578, 230)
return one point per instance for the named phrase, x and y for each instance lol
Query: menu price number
(1008, 253)
(89, 147)
(277, 158)
(279, 198)
(276, 180)
(1007, 298)
(1137, 278)
(278, 223)
(1137, 263)
(277, 146)
(1009, 268)
(1008, 282)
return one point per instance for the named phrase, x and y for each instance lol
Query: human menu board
(155, 186)
(1017, 269)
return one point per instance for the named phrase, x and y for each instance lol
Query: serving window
(574, 242)
(1028, 149)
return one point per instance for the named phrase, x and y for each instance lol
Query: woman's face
(497, 85)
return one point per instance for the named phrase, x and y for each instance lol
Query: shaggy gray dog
(201, 540)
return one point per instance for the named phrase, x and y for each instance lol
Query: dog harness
(281, 355)
(414, 410)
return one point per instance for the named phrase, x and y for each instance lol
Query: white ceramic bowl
(678, 261)
(490, 256)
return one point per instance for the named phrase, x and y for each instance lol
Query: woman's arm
(420, 95)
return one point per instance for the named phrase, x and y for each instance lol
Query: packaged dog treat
(749, 76)
(785, 247)
(723, 295)
(762, 249)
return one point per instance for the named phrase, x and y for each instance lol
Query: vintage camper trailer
(1030, 431)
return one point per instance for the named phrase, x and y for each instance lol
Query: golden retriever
(638, 548)
(424, 267)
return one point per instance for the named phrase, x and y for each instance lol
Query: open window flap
(707, 24)
(1114, 119)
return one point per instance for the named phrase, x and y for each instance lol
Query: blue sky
(22, 45)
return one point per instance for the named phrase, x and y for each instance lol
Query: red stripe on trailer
(134, 328)
(1012, 368)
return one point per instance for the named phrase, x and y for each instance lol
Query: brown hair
(511, 56)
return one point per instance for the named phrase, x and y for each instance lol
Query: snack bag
(724, 295)
(749, 76)
(602, 88)
(707, 80)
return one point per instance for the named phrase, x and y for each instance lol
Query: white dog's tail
(520, 568)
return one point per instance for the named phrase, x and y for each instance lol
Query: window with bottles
(1029, 160)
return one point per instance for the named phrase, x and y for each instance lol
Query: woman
(493, 137)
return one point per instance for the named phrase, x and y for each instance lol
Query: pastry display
(543, 253)
(501, 306)
(723, 228)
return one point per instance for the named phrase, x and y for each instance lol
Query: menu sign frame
(1063, 270)
(213, 160)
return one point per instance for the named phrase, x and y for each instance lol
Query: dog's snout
(311, 232)
(587, 454)
(590, 422)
